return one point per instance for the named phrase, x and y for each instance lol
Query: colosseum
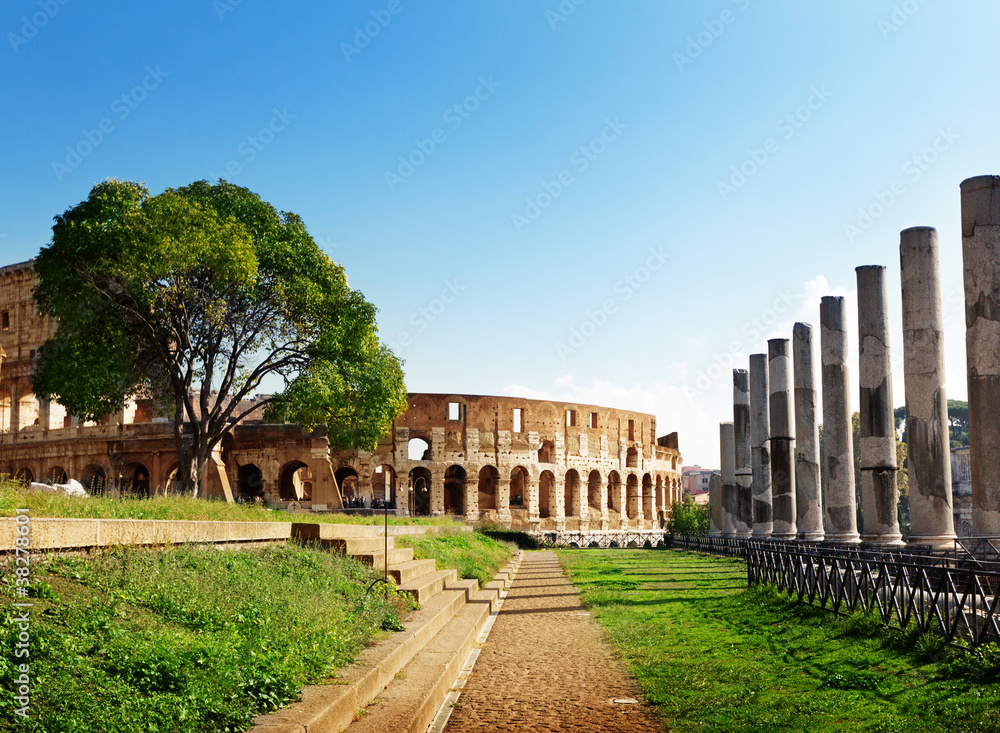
(515, 462)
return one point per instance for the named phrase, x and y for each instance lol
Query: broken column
(808, 499)
(927, 438)
(981, 259)
(727, 457)
(879, 493)
(838, 443)
(743, 470)
(779, 377)
(760, 457)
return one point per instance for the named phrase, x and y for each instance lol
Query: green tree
(958, 423)
(194, 297)
(688, 518)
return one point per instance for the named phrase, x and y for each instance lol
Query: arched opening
(58, 417)
(594, 490)
(647, 497)
(384, 486)
(614, 492)
(489, 478)
(135, 480)
(546, 495)
(4, 410)
(518, 483)
(547, 452)
(418, 449)
(25, 475)
(173, 484)
(454, 490)
(660, 503)
(27, 412)
(350, 487)
(632, 458)
(94, 479)
(632, 496)
(571, 490)
(57, 475)
(420, 483)
(250, 483)
(293, 480)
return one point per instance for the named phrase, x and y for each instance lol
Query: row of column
(775, 420)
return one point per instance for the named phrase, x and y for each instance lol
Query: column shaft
(715, 505)
(779, 374)
(743, 467)
(879, 492)
(838, 443)
(760, 432)
(928, 442)
(727, 456)
(808, 499)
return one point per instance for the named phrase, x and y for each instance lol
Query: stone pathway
(547, 666)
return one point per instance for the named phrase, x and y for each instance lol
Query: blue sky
(612, 203)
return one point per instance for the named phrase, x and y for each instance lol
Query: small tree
(194, 297)
(688, 518)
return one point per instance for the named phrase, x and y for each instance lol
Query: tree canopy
(195, 297)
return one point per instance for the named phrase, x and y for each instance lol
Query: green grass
(185, 639)
(43, 504)
(714, 656)
(472, 554)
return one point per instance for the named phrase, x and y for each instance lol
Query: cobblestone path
(547, 666)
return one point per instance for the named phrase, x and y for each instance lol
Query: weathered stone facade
(525, 463)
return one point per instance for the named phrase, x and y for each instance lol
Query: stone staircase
(399, 683)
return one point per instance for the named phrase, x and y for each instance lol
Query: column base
(937, 542)
(812, 537)
(886, 540)
(848, 538)
(744, 534)
(783, 536)
(761, 534)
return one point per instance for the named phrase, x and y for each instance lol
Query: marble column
(743, 469)
(981, 259)
(715, 505)
(727, 456)
(760, 455)
(808, 496)
(879, 492)
(838, 444)
(928, 442)
(779, 376)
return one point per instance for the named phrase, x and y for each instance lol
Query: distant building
(961, 490)
(694, 482)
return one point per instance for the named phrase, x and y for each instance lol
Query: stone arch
(632, 496)
(518, 485)
(420, 483)
(94, 479)
(594, 490)
(571, 492)
(614, 492)
(648, 509)
(294, 479)
(24, 475)
(384, 484)
(58, 417)
(660, 503)
(454, 490)
(28, 413)
(418, 448)
(547, 452)
(489, 479)
(250, 482)
(135, 480)
(349, 482)
(56, 475)
(173, 486)
(632, 458)
(4, 410)
(546, 495)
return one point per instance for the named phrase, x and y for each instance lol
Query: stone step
(427, 586)
(376, 558)
(405, 572)
(410, 702)
(361, 545)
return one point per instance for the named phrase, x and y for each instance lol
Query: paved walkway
(547, 666)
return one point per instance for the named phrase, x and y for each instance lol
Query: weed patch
(472, 554)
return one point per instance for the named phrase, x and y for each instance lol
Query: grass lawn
(472, 554)
(183, 639)
(714, 656)
(44, 504)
